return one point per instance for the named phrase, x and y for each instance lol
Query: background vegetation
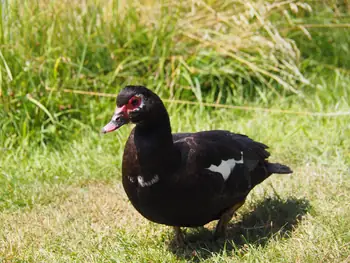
(60, 193)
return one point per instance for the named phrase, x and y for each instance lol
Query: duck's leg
(221, 227)
(179, 236)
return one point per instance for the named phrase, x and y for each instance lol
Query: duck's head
(138, 105)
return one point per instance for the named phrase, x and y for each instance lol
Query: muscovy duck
(185, 179)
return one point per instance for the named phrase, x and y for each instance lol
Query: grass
(61, 198)
(68, 204)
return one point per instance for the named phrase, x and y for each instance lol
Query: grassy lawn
(61, 198)
(68, 204)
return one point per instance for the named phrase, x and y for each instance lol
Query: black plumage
(185, 179)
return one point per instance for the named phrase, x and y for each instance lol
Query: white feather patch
(225, 167)
(131, 179)
(144, 183)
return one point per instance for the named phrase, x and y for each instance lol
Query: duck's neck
(155, 149)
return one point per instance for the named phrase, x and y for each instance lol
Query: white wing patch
(225, 167)
(144, 183)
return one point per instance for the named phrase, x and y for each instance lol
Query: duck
(185, 179)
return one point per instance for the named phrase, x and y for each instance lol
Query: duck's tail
(264, 171)
(277, 168)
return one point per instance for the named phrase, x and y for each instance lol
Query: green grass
(68, 204)
(61, 198)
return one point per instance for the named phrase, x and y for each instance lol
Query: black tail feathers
(277, 168)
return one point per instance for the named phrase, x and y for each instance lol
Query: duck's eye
(135, 102)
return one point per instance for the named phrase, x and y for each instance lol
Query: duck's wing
(213, 147)
(221, 154)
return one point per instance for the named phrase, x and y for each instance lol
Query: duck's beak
(120, 117)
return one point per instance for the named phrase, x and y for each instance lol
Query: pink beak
(120, 117)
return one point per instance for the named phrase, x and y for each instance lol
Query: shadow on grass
(271, 217)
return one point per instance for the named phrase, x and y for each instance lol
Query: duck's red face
(138, 105)
(123, 114)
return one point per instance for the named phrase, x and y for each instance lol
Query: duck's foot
(179, 237)
(221, 227)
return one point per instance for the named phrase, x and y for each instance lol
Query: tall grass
(328, 45)
(217, 51)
